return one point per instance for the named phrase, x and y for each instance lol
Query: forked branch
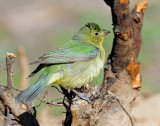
(20, 112)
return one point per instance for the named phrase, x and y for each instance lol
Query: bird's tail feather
(30, 93)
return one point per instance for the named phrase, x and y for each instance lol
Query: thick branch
(113, 101)
(137, 23)
(121, 49)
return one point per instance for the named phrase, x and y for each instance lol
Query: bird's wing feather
(69, 53)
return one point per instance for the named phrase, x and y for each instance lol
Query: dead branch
(20, 112)
(50, 103)
(9, 62)
(121, 73)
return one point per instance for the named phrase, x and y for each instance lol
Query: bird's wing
(69, 53)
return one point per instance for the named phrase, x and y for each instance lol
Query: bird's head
(91, 33)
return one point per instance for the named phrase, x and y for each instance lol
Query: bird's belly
(77, 74)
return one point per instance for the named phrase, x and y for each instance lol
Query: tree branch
(9, 61)
(121, 49)
(121, 72)
(7, 97)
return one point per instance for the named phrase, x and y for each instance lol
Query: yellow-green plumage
(77, 74)
(72, 65)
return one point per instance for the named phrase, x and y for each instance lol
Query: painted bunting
(71, 66)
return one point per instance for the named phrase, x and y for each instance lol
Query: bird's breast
(79, 73)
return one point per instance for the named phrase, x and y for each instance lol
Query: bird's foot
(83, 96)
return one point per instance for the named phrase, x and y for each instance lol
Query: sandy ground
(147, 111)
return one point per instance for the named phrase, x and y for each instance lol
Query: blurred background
(31, 28)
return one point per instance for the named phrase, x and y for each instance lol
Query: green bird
(71, 66)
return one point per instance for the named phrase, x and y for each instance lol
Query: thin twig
(19, 90)
(46, 102)
(5, 117)
(132, 123)
(2, 67)
(116, 98)
(41, 99)
(58, 89)
(57, 99)
(49, 103)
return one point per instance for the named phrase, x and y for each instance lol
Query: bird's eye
(96, 33)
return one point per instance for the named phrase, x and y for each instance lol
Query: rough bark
(12, 111)
(113, 100)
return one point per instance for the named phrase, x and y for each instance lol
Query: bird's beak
(105, 32)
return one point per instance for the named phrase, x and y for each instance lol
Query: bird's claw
(83, 96)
